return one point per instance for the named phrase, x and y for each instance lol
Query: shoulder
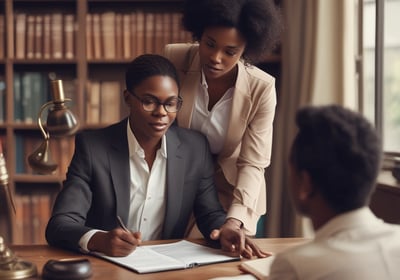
(181, 55)
(97, 135)
(186, 135)
(256, 75)
(179, 49)
(257, 84)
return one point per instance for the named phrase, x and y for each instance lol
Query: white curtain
(318, 67)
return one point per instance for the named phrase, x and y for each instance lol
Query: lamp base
(13, 268)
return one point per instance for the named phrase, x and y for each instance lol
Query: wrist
(237, 223)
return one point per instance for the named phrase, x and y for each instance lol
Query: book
(17, 97)
(149, 32)
(30, 36)
(126, 36)
(69, 36)
(38, 44)
(108, 36)
(3, 104)
(47, 36)
(96, 34)
(93, 102)
(57, 35)
(89, 36)
(20, 35)
(158, 33)
(2, 37)
(118, 35)
(260, 268)
(133, 35)
(110, 99)
(172, 256)
(140, 42)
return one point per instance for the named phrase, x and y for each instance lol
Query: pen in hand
(121, 224)
(137, 235)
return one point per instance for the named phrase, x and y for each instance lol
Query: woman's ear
(305, 187)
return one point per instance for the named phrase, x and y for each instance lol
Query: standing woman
(228, 99)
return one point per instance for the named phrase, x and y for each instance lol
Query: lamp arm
(45, 134)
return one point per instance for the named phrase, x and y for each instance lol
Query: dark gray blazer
(97, 186)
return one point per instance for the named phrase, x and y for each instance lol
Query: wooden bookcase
(87, 44)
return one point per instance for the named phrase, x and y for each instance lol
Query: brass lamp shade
(60, 122)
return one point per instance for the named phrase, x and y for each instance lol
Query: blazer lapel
(175, 178)
(241, 105)
(119, 169)
(189, 84)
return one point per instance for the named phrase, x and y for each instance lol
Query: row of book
(109, 35)
(32, 214)
(44, 36)
(103, 102)
(32, 90)
(112, 35)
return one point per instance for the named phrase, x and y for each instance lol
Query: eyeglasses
(150, 104)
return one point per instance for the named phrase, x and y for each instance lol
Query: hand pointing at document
(233, 240)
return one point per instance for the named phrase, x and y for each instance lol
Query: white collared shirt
(352, 245)
(213, 124)
(147, 190)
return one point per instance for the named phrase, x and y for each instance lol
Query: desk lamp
(60, 122)
(11, 267)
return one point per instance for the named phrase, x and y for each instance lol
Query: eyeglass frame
(158, 102)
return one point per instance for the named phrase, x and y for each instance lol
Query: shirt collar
(353, 219)
(203, 80)
(134, 147)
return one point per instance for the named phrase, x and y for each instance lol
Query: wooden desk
(40, 254)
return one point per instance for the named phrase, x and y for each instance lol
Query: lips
(159, 126)
(213, 69)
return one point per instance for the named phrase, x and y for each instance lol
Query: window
(380, 100)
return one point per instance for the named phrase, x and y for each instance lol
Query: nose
(216, 57)
(160, 111)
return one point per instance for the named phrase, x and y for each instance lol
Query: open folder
(177, 255)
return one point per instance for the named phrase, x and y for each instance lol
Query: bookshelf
(87, 44)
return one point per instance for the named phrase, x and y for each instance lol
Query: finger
(130, 238)
(258, 252)
(138, 236)
(215, 234)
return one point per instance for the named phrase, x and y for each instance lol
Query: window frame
(391, 160)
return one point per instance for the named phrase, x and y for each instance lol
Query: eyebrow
(229, 47)
(155, 97)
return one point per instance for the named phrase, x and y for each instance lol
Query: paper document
(177, 255)
(258, 267)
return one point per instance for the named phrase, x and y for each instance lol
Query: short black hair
(148, 65)
(341, 152)
(258, 21)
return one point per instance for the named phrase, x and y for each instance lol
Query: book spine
(69, 36)
(20, 33)
(57, 35)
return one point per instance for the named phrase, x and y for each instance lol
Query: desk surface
(40, 254)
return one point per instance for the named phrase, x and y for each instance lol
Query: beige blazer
(247, 148)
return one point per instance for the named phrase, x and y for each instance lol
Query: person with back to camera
(334, 163)
(144, 170)
(228, 99)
